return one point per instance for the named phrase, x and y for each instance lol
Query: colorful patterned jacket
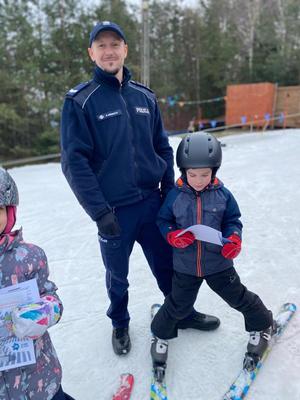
(19, 262)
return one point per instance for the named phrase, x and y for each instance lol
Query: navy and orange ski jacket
(216, 207)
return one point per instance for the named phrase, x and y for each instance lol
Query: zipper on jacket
(133, 147)
(199, 271)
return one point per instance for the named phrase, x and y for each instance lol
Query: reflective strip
(89, 96)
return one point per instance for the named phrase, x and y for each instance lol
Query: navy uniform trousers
(179, 303)
(138, 224)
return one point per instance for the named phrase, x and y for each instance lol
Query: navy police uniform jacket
(114, 150)
(216, 207)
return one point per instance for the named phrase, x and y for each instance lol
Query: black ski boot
(159, 354)
(257, 345)
(202, 322)
(121, 341)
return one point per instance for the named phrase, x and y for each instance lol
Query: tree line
(195, 53)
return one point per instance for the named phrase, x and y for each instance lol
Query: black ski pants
(227, 284)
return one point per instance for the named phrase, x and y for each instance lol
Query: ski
(125, 387)
(241, 385)
(158, 389)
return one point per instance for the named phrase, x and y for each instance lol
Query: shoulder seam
(151, 96)
(141, 85)
(74, 91)
(83, 105)
(84, 94)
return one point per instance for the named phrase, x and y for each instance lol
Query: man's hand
(233, 249)
(180, 241)
(108, 225)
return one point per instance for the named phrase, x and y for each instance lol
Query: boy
(200, 198)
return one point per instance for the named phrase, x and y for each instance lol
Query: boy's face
(198, 178)
(3, 219)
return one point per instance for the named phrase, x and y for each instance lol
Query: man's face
(109, 51)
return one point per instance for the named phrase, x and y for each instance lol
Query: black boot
(121, 341)
(159, 354)
(257, 345)
(159, 351)
(202, 322)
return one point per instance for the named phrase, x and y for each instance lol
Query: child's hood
(10, 240)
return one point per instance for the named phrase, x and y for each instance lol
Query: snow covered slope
(263, 172)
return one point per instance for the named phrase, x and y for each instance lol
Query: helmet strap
(214, 172)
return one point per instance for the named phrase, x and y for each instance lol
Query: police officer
(117, 160)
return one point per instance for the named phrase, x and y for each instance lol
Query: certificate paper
(15, 352)
(206, 234)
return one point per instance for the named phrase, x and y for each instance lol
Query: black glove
(108, 225)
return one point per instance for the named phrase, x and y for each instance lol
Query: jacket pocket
(109, 244)
(213, 215)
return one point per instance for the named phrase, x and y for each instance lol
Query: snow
(263, 172)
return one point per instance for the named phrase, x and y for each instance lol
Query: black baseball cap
(106, 26)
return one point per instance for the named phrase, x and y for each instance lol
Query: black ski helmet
(199, 150)
(9, 195)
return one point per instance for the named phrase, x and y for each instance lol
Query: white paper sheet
(206, 234)
(13, 351)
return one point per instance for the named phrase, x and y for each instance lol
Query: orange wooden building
(250, 103)
(256, 104)
(288, 104)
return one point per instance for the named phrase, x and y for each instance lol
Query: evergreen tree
(19, 121)
(195, 52)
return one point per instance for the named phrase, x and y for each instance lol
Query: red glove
(232, 250)
(181, 241)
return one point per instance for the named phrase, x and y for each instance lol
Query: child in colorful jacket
(200, 198)
(19, 262)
